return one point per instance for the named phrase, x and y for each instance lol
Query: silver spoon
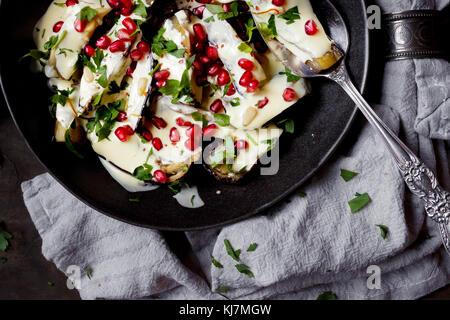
(420, 179)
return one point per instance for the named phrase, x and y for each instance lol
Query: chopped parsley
(89, 272)
(105, 118)
(242, 268)
(249, 28)
(115, 88)
(4, 238)
(216, 263)
(144, 172)
(141, 9)
(197, 116)
(244, 47)
(252, 247)
(289, 125)
(61, 97)
(222, 120)
(160, 44)
(136, 199)
(178, 89)
(70, 145)
(87, 14)
(328, 295)
(220, 12)
(192, 200)
(97, 67)
(172, 186)
(291, 15)
(348, 175)
(359, 202)
(291, 77)
(301, 194)
(383, 230)
(269, 29)
(231, 252)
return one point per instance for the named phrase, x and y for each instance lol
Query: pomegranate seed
(278, 3)
(200, 32)
(125, 35)
(209, 131)
(162, 75)
(241, 145)
(226, 7)
(129, 24)
(57, 27)
(199, 47)
(289, 95)
(198, 65)
(194, 131)
(122, 133)
(131, 68)
(192, 144)
(80, 25)
(157, 143)
(311, 28)
(136, 55)
(122, 116)
(144, 47)
(159, 123)
(103, 42)
(214, 70)
(161, 84)
(113, 3)
(199, 11)
(117, 46)
(126, 11)
(253, 86)
(182, 123)
(262, 103)
(147, 135)
(216, 106)
(246, 64)
(204, 1)
(223, 78)
(127, 3)
(70, 3)
(231, 90)
(204, 59)
(174, 135)
(201, 80)
(89, 51)
(246, 78)
(160, 176)
(212, 53)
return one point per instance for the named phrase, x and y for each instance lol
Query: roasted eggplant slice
(240, 151)
(299, 30)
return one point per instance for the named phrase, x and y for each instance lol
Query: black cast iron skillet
(321, 120)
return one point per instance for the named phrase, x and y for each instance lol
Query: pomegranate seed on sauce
(311, 28)
(231, 90)
(162, 75)
(278, 3)
(241, 145)
(122, 116)
(161, 84)
(103, 42)
(147, 135)
(89, 51)
(160, 176)
(262, 103)
(159, 123)
(216, 106)
(122, 133)
(126, 11)
(253, 86)
(246, 64)
(131, 68)
(125, 35)
(144, 47)
(200, 32)
(70, 3)
(157, 143)
(214, 70)
(174, 135)
(182, 123)
(80, 25)
(117, 46)
(57, 27)
(194, 131)
(223, 78)
(192, 144)
(199, 11)
(136, 55)
(209, 131)
(289, 95)
(212, 53)
(129, 24)
(113, 3)
(246, 78)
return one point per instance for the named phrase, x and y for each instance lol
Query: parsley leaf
(87, 13)
(4, 237)
(230, 250)
(222, 289)
(160, 44)
(291, 77)
(220, 12)
(327, 296)
(383, 230)
(348, 175)
(141, 9)
(301, 194)
(289, 125)
(216, 263)
(249, 28)
(70, 145)
(244, 47)
(242, 268)
(359, 202)
(89, 272)
(222, 120)
(291, 15)
(144, 172)
(252, 247)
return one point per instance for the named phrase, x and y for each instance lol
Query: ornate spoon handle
(420, 179)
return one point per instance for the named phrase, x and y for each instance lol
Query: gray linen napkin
(306, 245)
